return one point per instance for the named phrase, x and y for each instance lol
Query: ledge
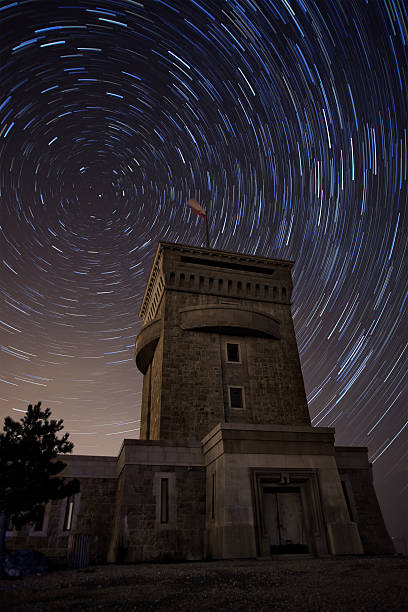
(232, 320)
(146, 342)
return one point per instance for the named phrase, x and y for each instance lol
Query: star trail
(286, 120)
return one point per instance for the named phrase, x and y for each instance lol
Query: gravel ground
(345, 584)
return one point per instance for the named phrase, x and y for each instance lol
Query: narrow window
(233, 352)
(236, 397)
(275, 292)
(69, 512)
(201, 285)
(346, 496)
(257, 287)
(213, 495)
(248, 288)
(38, 525)
(164, 500)
(182, 279)
(210, 283)
(220, 284)
(229, 286)
(191, 280)
(239, 287)
(284, 292)
(266, 289)
(172, 277)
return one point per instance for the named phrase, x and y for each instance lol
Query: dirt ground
(364, 584)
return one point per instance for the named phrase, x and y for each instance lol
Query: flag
(196, 208)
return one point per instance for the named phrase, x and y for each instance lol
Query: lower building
(246, 491)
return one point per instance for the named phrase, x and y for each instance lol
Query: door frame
(306, 480)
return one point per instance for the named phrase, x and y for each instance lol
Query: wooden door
(283, 520)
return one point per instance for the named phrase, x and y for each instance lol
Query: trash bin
(78, 550)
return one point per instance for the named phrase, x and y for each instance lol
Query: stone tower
(223, 389)
(217, 344)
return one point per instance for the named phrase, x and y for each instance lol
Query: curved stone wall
(226, 319)
(146, 342)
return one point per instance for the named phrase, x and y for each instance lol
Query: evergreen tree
(29, 467)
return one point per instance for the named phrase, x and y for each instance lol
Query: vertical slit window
(164, 500)
(69, 512)
(346, 497)
(213, 491)
(38, 525)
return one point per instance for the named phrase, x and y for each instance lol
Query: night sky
(286, 120)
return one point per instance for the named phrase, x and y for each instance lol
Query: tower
(217, 344)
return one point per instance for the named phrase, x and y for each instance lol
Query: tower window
(233, 352)
(236, 397)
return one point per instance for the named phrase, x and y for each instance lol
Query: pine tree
(29, 467)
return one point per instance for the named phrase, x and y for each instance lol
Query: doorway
(283, 520)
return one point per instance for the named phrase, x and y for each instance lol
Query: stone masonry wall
(93, 515)
(192, 393)
(195, 376)
(146, 538)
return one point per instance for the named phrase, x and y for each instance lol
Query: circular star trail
(286, 120)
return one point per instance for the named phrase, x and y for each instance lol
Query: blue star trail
(286, 120)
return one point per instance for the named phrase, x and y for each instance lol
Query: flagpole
(207, 233)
